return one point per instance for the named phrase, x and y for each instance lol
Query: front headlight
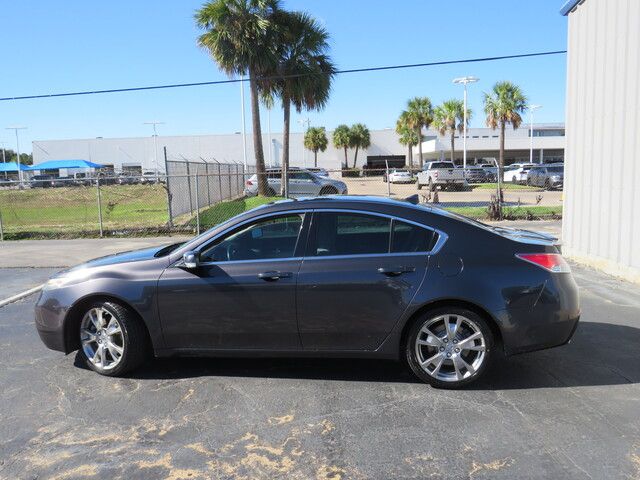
(66, 278)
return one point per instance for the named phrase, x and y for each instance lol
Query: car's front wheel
(113, 339)
(449, 347)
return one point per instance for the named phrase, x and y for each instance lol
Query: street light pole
(304, 122)
(532, 108)
(16, 128)
(244, 132)
(155, 145)
(464, 81)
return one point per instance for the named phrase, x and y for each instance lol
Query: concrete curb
(20, 295)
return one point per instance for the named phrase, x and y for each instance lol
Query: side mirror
(190, 260)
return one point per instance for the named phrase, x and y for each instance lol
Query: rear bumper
(549, 321)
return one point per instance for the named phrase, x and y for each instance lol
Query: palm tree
(407, 136)
(239, 36)
(503, 106)
(360, 139)
(342, 139)
(315, 139)
(419, 116)
(303, 72)
(449, 118)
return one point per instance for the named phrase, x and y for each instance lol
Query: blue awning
(56, 164)
(11, 167)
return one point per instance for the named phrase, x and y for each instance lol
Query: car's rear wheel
(113, 339)
(449, 347)
(514, 179)
(328, 191)
(547, 184)
(271, 192)
(418, 184)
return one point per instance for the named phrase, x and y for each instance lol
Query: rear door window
(407, 238)
(338, 233)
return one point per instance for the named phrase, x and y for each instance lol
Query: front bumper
(50, 315)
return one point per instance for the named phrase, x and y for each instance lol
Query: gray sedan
(302, 183)
(547, 176)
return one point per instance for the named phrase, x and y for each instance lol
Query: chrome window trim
(442, 237)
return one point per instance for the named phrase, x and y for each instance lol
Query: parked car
(340, 276)
(319, 171)
(149, 177)
(517, 172)
(302, 183)
(491, 172)
(106, 177)
(42, 181)
(82, 179)
(125, 178)
(473, 174)
(398, 175)
(443, 174)
(547, 176)
(67, 181)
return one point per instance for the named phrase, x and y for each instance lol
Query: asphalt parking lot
(570, 412)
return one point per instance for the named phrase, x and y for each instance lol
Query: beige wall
(602, 190)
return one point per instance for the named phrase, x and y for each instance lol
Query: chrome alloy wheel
(450, 348)
(101, 338)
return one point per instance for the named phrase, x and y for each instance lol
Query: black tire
(410, 342)
(137, 348)
(271, 192)
(328, 191)
(418, 184)
(547, 184)
(514, 180)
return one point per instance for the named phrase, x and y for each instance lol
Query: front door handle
(273, 276)
(395, 271)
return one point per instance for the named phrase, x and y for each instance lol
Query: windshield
(441, 165)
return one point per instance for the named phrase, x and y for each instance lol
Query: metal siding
(602, 201)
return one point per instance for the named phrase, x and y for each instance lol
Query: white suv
(517, 172)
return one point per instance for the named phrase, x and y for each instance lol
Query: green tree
(342, 140)
(360, 139)
(315, 139)
(303, 70)
(419, 116)
(11, 156)
(504, 105)
(448, 118)
(239, 36)
(407, 136)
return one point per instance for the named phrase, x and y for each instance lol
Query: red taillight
(553, 262)
(249, 183)
(435, 174)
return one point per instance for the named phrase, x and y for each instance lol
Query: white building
(601, 223)
(138, 153)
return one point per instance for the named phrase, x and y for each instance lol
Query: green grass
(511, 213)
(225, 210)
(505, 186)
(73, 211)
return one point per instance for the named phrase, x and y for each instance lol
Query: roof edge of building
(569, 6)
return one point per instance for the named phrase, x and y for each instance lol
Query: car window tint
(350, 234)
(275, 237)
(300, 176)
(410, 238)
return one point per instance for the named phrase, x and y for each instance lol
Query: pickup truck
(444, 174)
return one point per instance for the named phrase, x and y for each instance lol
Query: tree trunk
(355, 157)
(411, 156)
(346, 160)
(419, 132)
(501, 158)
(263, 185)
(453, 145)
(284, 179)
(315, 158)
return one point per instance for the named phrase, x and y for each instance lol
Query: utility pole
(532, 108)
(155, 145)
(305, 122)
(16, 128)
(244, 127)
(464, 81)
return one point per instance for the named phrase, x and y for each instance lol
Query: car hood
(124, 257)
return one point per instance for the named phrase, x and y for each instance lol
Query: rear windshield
(442, 165)
(555, 169)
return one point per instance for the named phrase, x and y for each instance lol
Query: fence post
(1, 229)
(388, 182)
(230, 185)
(99, 206)
(206, 170)
(220, 181)
(189, 188)
(168, 189)
(197, 202)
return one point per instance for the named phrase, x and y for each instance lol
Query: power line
(237, 80)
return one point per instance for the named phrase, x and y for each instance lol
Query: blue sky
(76, 45)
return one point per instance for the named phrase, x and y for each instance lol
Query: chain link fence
(196, 194)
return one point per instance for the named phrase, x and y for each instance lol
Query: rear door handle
(395, 271)
(273, 276)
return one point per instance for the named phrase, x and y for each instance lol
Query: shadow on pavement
(600, 354)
